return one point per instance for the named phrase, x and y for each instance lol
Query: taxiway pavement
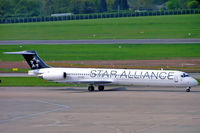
(116, 110)
(112, 41)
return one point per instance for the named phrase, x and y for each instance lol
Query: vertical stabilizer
(33, 60)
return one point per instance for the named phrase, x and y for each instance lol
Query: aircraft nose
(194, 82)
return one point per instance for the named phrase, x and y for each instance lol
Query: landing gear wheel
(91, 88)
(188, 89)
(101, 88)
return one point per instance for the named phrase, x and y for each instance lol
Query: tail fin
(33, 60)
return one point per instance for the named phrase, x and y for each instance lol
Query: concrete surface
(116, 41)
(116, 110)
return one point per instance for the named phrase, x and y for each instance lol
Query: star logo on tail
(35, 63)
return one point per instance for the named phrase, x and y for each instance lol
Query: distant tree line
(34, 8)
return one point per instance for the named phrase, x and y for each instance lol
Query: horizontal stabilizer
(20, 52)
(32, 59)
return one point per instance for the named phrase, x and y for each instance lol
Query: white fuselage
(96, 76)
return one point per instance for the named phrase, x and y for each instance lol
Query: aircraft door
(176, 79)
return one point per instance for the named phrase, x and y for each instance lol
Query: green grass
(32, 81)
(198, 81)
(175, 26)
(28, 81)
(10, 70)
(104, 52)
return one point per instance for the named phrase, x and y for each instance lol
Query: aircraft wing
(93, 82)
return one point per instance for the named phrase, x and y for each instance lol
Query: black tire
(91, 88)
(188, 89)
(101, 88)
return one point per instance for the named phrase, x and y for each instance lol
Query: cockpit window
(184, 75)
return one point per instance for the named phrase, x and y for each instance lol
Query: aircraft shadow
(77, 90)
(70, 90)
(149, 90)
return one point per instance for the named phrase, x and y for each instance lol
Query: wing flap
(93, 82)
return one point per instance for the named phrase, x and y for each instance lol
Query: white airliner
(101, 77)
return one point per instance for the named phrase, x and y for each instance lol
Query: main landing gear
(101, 88)
(188, 89)
(91, 88)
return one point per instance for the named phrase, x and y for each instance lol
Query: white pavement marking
(57, 123)
(60, 107)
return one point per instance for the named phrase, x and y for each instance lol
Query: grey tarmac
(116, 110)
(114, 41)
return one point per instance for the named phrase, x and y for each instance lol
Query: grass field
(177, 26)
(32, 81)
(10, 70)
(104, 52)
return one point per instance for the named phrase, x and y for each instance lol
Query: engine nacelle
(54, 76)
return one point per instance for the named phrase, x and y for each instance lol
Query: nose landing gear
(188, 89)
